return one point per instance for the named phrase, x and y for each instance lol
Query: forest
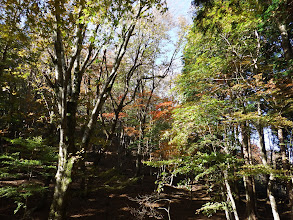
(96, 123)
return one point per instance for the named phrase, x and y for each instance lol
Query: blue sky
(179, 8)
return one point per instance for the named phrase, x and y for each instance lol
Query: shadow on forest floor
(114, 195)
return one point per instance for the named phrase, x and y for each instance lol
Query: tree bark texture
(63, 179)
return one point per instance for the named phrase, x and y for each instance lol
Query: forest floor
(114, 195)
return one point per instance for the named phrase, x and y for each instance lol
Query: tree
(224, 58)
(73, 36)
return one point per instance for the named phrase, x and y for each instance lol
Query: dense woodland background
(87, 114)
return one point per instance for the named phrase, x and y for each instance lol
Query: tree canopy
(83, 80)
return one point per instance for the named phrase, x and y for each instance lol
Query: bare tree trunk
(286, 45)
(252, 177)
(272, 198)
(63, 178)
(227, 184)
(230, 195)
(227, 211)
(270, 178)
(248, 181)
(286, 167)
(139, 150)
(63, 175)
(288, 53)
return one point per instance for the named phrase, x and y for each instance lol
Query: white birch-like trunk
(230, 195)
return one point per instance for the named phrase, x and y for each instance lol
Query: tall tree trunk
(286, 167)
(286, 45)
(272, 198)
(270, 177)
(227, 210)
(248, 181)
(264, 158)
(139, 150)
(230, 195)
(227, 184)
(288, 53)
(252, 177)
(63, 178)
(65, 163)
(71, 125)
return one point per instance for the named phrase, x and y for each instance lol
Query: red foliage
(164, 105)
(163, 110)
(112, 115)
(131, 131)
(166, 151)
(108, 115)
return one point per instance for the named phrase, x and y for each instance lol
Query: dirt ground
(115, 195)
